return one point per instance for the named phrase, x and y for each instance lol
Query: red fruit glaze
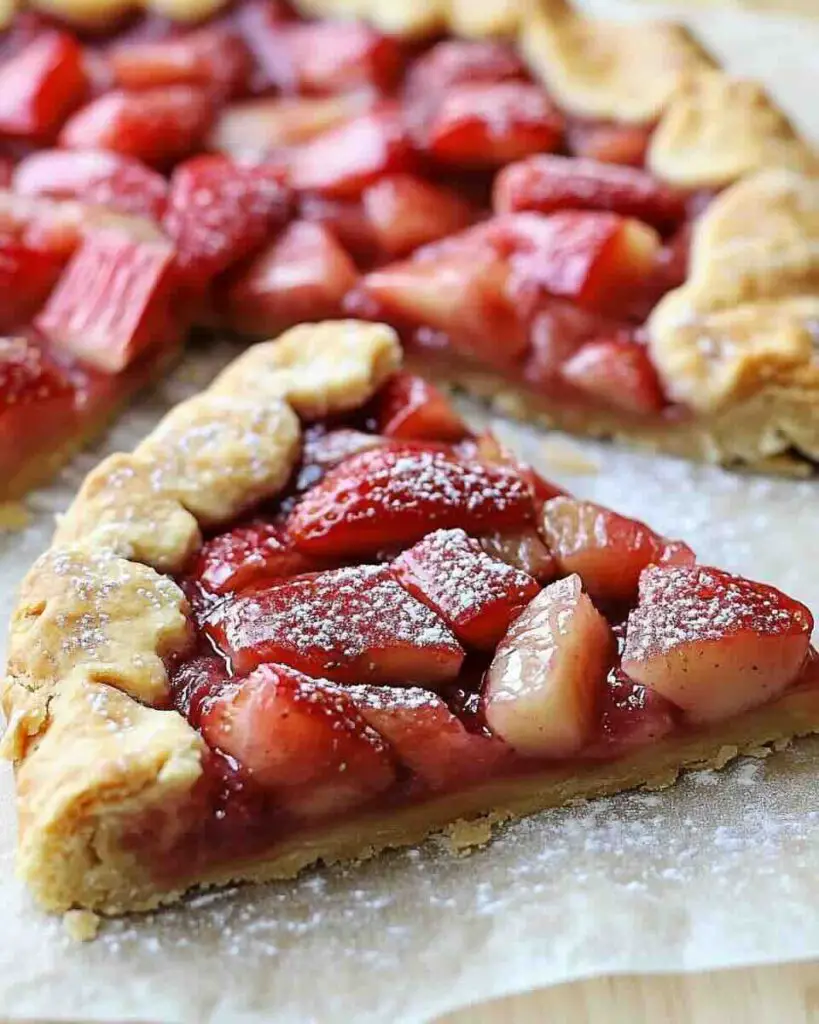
(410, 409)
(395, 496)
(632, 715)
(477, 596)
(349, 625)
(40, 86)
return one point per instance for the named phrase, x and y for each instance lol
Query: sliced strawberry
(343, 161)
(94, 176)
(411, 409)
(213, 56)
(328, 57)
(302, 276)
(324, 449)
(610, 143)
(248, 555)
(543, 685)
(219, 212)
(113, 301)
(405, 212)
(300, 738)
(395, 496)
(490, 125)
(547, 184)
(712, 643)
(619, 373)
(606, 550)
(41, 85)
(488, 448)
(157, 126)
(346, 219)
(426, 737)
(633, 715)
(477, 596)
(344, 624)
(524, 550)
(559, 329)
(27, 276)
(462, 62)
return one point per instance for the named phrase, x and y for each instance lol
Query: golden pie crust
(97, 624)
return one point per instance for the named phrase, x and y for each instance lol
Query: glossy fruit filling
(419, 613)
(260, 170)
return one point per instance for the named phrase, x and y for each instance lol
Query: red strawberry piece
(302, 276)
(247, 556)
(395, 496)
(157, 126)
(465, 295)
(462, 62)
(619, 373)
(524, 550)
(346, 220)
(426, 736)
(608, 551)
(632, 715)
(345, 624)
(41, 224)
(27, 276)
(542, 688)
(558, 330)
(547, 184)
(324, 449)
(28, 378)
(328, 57)
(411, 409)
(405, 212)
(6, 171)
(477, 596)
(196, 683)
(490, 125)
(343, 161)
(712, 643)
(113, 300)
(94, 176)
(487, 448)
(219, 212)
(301, 739)
(213, 56)
(41, 85)
(610, 143)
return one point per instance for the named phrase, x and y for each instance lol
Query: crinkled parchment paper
(719, 871)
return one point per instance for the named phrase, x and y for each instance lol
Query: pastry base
(466, 819)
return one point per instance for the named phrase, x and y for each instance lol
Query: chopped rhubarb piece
(712, 643)
(558, 330)
(302, 276)
(249, 555)
(157, 126)
(254, 128)
(477, 596)
(395, 496)
(426, 737)
(324, 449)
(27, 276)
(632, 715)
(608, 551)
(94, 176)
(547, 184)
(41, 85)
(524, 550)
(617, 372)
(113, 300)
(343, 161)
(301, 739)
(405, 212)
(609, 143)
(328, 57)
(490, 125)
(349, 625)
(213, 56)
(411, 409)
(543, 685)
(462, 62)
(219, 212)
(465, 295)
(346, 219)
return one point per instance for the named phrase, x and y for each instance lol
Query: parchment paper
(719, 871)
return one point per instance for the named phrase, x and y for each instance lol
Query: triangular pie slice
(313, 615)
(585, 222)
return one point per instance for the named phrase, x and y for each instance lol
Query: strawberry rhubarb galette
(313, 615)
(586, 222)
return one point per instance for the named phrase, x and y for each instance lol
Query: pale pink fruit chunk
(712, 643)
(543, 684)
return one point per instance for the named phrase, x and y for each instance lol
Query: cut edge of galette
(313, 616)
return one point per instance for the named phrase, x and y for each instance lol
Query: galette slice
(313, 615)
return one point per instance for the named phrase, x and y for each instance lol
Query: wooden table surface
(786, 994)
